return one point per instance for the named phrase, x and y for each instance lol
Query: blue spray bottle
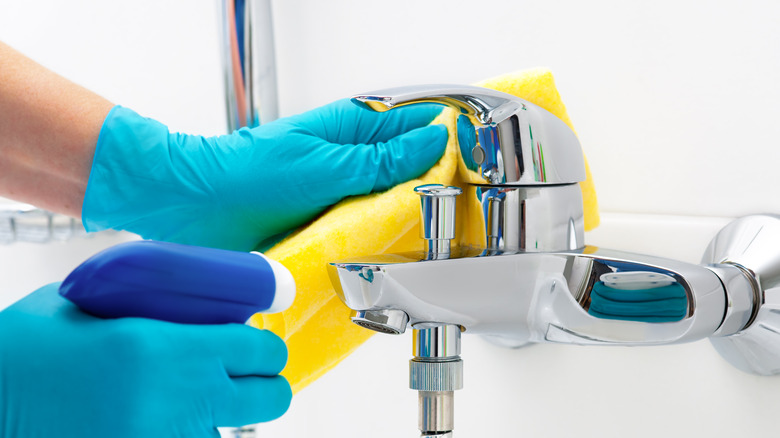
(179, 283)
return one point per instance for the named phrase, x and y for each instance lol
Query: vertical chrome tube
(243, 432)
(249, 61)
(436, 412)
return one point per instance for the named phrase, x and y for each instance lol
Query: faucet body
(530, 278)
(521, 297)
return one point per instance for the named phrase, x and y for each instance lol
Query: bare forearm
(48, 130)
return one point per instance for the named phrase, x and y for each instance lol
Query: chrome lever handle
(513, 143)
(484, 105)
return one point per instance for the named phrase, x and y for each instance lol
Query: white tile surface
(24, 267)
(680, 237)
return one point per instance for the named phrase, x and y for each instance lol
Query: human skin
(49, 127)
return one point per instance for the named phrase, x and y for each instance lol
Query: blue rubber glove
(247, 190)
(67, 374)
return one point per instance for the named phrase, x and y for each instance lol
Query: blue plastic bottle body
(172, 282)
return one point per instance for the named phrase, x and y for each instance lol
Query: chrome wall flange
(752, 243)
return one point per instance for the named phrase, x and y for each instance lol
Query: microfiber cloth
(317, 327)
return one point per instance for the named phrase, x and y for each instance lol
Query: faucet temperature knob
(437, 217)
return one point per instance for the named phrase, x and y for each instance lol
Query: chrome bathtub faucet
(533, 279)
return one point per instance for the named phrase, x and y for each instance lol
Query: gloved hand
(65, 373)
(247, 190)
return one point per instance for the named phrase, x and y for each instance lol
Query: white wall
(674, 101)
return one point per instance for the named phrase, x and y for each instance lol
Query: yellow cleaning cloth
(317, 328)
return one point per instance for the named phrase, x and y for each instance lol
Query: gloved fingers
(408, 156)
(243, 350)
(344, 122)
(374, 127)
(254, 400)
(45, 299)
(47, 302)
(342, 170)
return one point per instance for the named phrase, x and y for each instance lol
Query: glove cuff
(134, 183)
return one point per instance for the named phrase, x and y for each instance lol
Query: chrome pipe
(436, 372)
(243, 432)
(249, 62)
(436, 412)
(26, 223)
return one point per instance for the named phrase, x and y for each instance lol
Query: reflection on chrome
(525, 297)
(26, 223)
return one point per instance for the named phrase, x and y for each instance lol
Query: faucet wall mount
(752, 245)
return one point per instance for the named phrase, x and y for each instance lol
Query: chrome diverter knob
(437, 218)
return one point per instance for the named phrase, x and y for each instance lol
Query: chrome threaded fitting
(436, 372)
(435, 376)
